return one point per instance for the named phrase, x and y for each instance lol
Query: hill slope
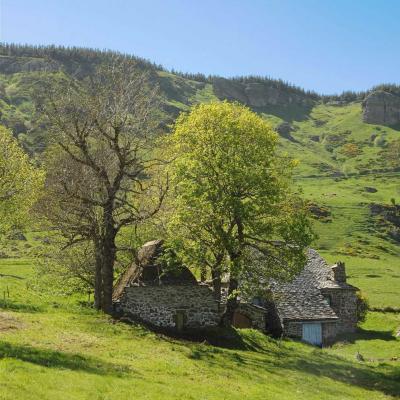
(51, 348)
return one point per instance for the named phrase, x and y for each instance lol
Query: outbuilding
(316, 306)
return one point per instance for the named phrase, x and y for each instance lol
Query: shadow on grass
(226, 338)
(11, 276)
(280, 359)
(56, 359)
(291, 113)
(394, 310)
(13, 306)
(366, 334)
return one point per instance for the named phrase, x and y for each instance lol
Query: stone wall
(255, 313)
(293, 329)
(344, 303)
(160, 305)
(329, 332)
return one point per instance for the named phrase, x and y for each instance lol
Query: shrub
(351, 150)
(362, 307)
(379, 141)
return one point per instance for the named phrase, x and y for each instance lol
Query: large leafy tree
(20, 183)
(232, 208)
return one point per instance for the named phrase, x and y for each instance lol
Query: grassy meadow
(53, 348)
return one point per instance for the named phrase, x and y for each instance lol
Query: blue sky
(325, 45)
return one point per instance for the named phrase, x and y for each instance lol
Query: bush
(362, 307)
(351, 150)
(380, 141)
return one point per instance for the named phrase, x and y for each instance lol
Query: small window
(180, 320)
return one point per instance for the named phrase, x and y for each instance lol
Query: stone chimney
(339, 272)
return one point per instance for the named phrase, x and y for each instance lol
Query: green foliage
(20, 183)
(232, 191)
(380, 141)
(61, 269)
(362, 307)
(351, 150)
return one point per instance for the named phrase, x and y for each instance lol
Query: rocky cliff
(381, 108)
(258, 94)
(12, 65)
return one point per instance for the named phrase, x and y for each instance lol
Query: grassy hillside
(53, 348)
(343, 186)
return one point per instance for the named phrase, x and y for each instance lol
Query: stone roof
(148, 271)
(301, 299)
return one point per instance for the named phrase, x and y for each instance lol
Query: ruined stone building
(164, 299)
(315, 307)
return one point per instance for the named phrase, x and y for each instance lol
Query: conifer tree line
(89, 57)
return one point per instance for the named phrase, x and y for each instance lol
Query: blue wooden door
(312, 333)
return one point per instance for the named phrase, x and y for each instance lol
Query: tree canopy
(232, 201)
(20, 183)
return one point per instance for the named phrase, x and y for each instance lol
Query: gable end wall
(344, 303)
(158, 305)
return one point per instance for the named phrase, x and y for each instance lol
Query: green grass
(376, 339)
(372, 260)
(52, 348)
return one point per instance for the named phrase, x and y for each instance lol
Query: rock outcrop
(258, 94)
(12, 65)
(285, 130)
(381, 108)
(386, 219)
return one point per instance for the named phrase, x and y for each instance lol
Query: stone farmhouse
(164, 299)
(315, 307)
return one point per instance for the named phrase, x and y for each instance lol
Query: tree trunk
(203, 274)
(232, 301)
(216, 281)
(108, 260)
(98, 280)
(107, 274)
